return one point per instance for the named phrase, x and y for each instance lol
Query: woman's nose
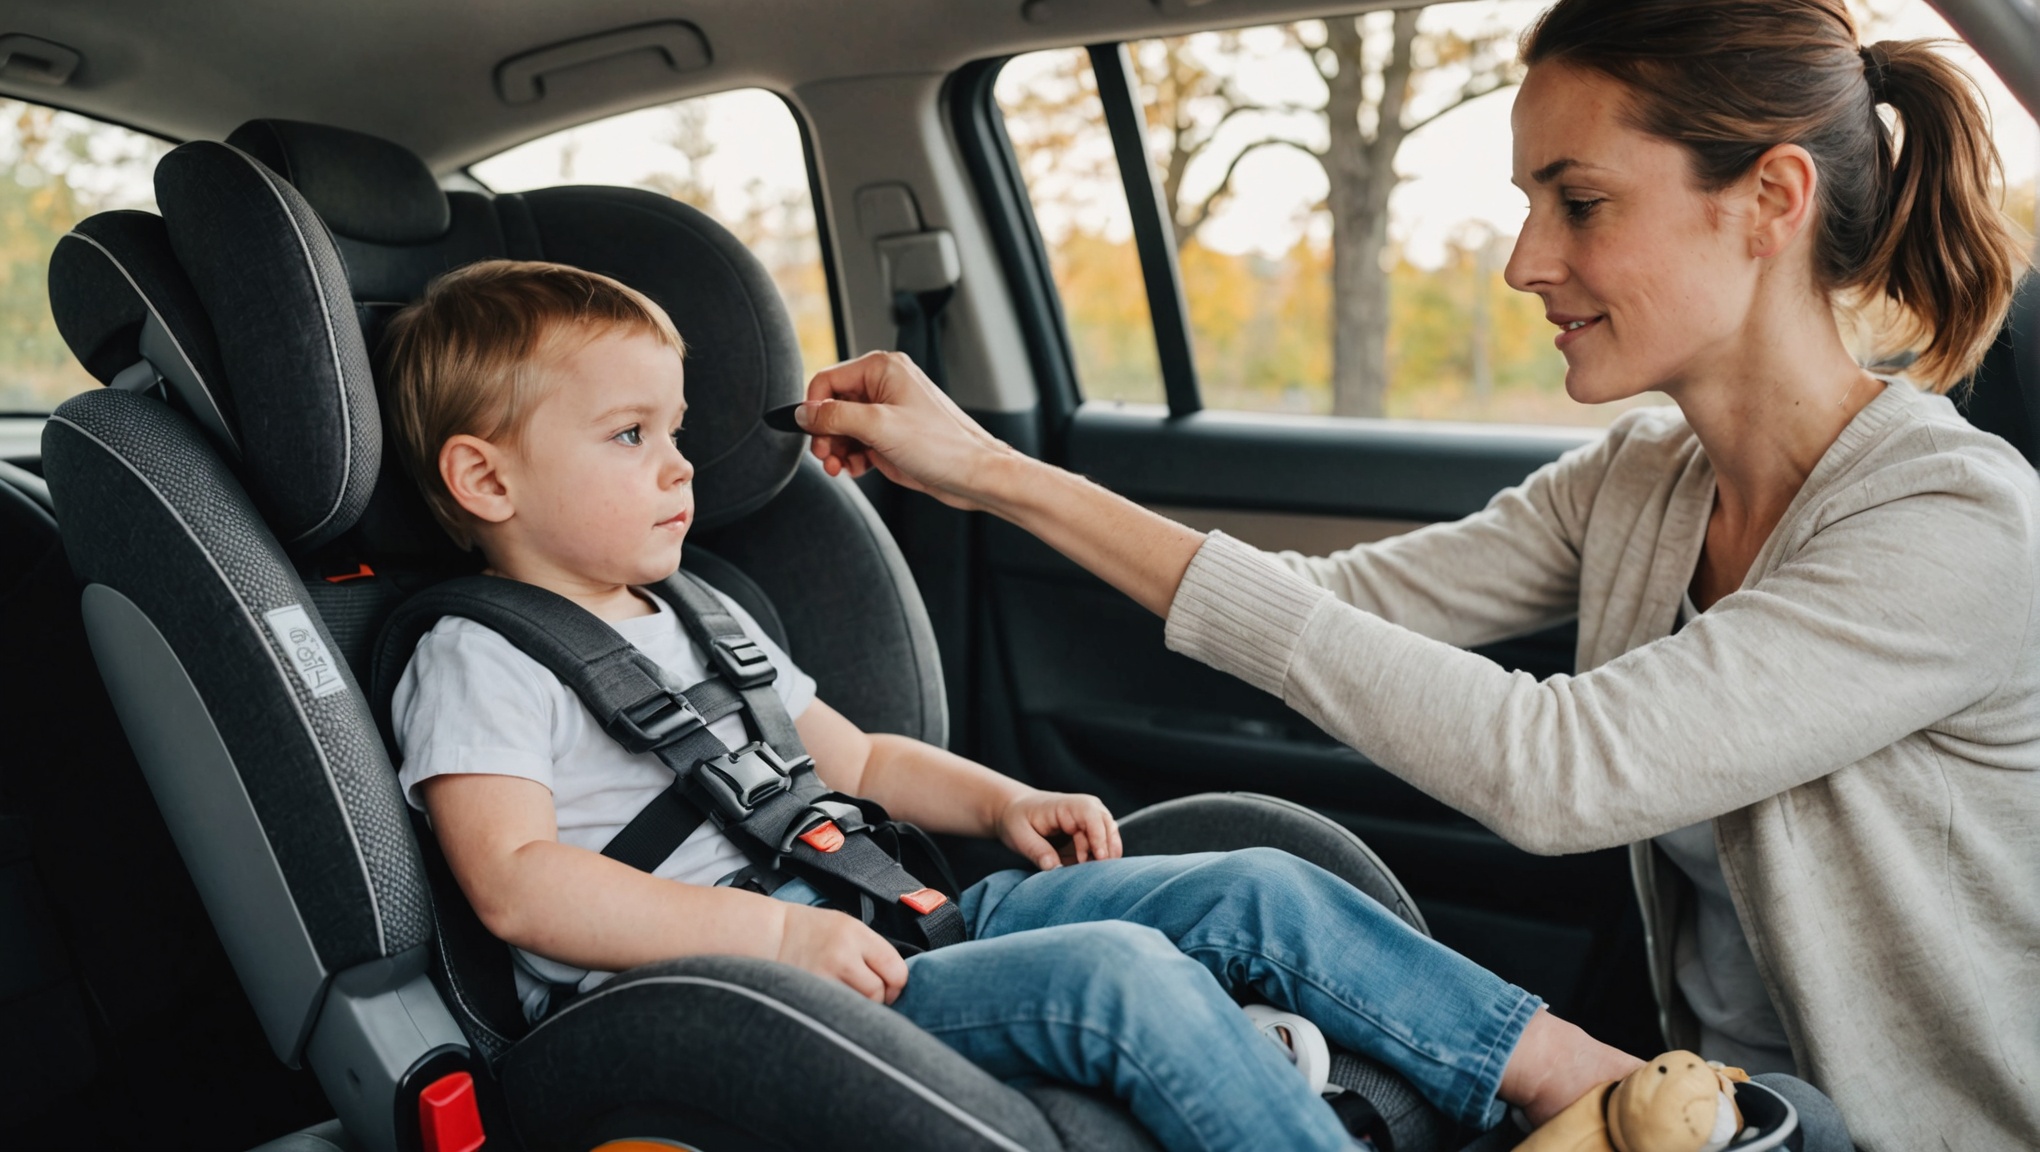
(1534, 262)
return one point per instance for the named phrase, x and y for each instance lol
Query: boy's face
(600, 491)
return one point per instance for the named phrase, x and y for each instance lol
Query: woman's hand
(837, 947)
(1029, 819)
(881, 411)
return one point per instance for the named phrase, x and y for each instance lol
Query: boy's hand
(837, 947)
(1032, 818)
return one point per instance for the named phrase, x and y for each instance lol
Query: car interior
(221, 928)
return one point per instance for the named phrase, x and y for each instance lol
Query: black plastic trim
(824, 239)
(1152, 234)
(987, 152)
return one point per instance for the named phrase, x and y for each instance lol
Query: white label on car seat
(301, 642)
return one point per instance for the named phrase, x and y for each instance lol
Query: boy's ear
(471, 469)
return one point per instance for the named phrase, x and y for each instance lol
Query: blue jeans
(1119, 974)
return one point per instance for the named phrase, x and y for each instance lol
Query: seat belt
(765, 795)
(921, 270)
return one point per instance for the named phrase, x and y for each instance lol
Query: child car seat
(227, 562)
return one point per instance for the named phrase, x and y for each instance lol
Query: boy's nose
(679, 469)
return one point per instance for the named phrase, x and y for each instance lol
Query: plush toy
(1676, 1103)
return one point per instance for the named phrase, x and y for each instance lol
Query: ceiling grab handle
(521, 78)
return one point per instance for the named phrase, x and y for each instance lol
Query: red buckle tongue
(823, 837)
(448, 1120)
(924, 901)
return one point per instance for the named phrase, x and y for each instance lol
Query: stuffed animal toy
(1676, 1103)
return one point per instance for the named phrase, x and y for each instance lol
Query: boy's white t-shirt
(471, 702)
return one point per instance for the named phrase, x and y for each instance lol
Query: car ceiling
(422, 72)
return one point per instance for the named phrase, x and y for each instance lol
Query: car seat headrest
(364, 187)
(265, 270)
(131, 317)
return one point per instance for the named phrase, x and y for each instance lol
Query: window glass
(56, 168)
(735, 155)
(1382, 295)
(1050, 102)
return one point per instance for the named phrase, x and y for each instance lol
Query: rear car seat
(225, 565)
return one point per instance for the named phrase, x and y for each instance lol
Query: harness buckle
(654, 722)
(737, 782)
(824, 826)
(742, 662)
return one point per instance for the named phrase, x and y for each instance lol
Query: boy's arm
(943, 792)
(584, 909)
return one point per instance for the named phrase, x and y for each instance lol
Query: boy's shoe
(1676, 1103)
(1298, 1038)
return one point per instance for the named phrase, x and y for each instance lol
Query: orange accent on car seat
(361, 572)
(448, 1120)
(925, 901)
(823, 837)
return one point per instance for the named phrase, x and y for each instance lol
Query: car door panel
(1097, 703)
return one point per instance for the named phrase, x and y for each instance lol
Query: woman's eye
(632, 436)
(1577, 210)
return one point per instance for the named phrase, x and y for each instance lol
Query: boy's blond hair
(464, 360)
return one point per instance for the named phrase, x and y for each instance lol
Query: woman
(1808, 687)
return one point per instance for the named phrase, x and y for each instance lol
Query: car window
(737, 156)
(1057, 126)
(56, 168)
(1352, 273)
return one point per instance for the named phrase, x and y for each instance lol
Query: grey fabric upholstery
(306, 408)
(890, 1086)
(194, 555)
(1090, 1121)
(1221, 821)
(364, 187)
(109, 276)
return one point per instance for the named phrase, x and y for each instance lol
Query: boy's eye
(676, 436)
(632, 436)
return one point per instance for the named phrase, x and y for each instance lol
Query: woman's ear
(472, 469)
(1785, 182)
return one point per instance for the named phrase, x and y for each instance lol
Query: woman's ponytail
(1944, 252)
(1911, 217)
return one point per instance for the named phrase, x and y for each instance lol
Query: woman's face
(1648, 277)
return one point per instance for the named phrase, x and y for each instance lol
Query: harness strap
(735, 655)
(765, 794)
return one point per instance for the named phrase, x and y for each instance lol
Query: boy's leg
(1307, 941)
(1116, 1006)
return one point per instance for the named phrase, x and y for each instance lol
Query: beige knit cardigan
(1861, 719)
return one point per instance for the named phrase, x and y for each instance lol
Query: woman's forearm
(879, 411)
(1139, 552)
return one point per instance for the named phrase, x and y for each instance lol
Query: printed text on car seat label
(307, 652)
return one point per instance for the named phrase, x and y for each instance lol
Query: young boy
(539, 409)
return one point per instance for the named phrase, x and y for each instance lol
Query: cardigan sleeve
(1509, 569)
(1889, 617)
